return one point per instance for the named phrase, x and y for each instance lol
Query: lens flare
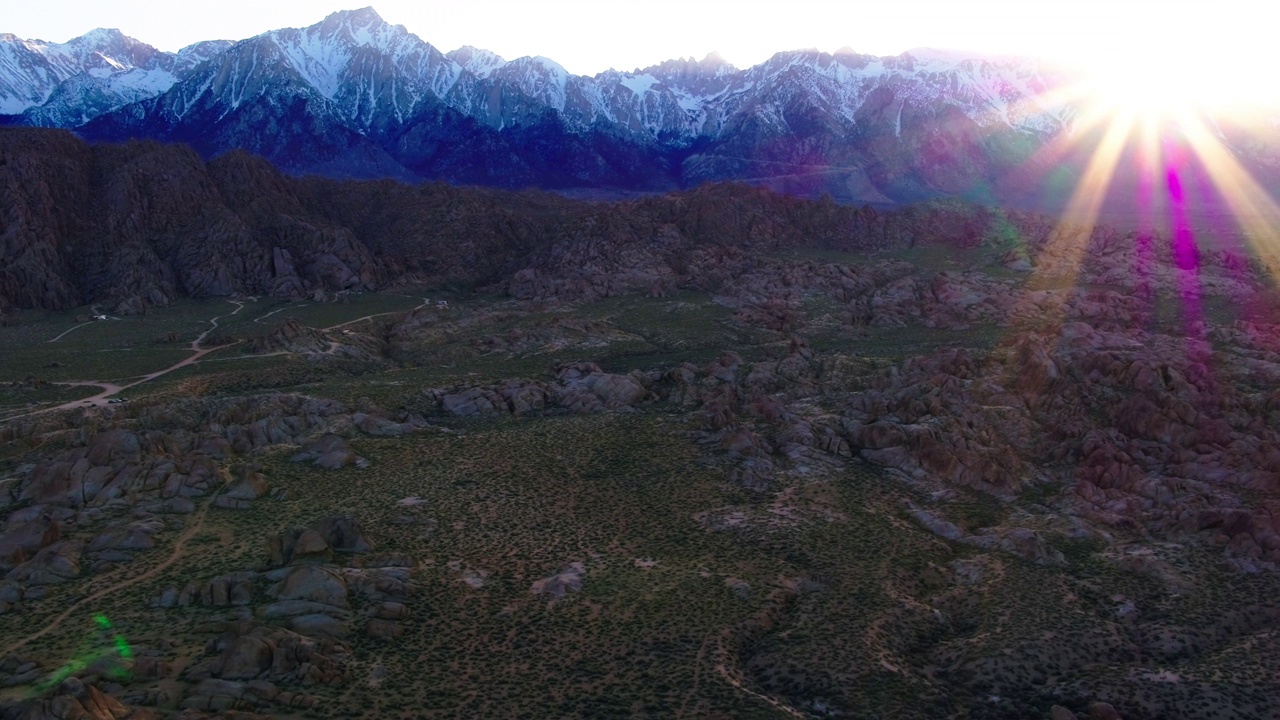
(105, 651)
(1062, 256)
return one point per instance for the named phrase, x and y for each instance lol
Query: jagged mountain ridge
(390, 104)
(67, 84)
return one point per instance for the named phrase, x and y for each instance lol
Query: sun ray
(1253, 209)
(1062, 254)
(1150, 207)
(1039, 172)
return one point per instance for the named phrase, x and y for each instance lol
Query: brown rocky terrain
(714, 454)
(140, 224)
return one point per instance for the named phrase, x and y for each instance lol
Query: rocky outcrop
(55, 564)
(105, 247)
(291, 337)
(248, 485)
(76, 700)
(230, 590)
(26, 532)
(247, 652)
(343, 533)
(555, 587)
(317, 543)
(328, 451)
(141, 224)
(1024, 543)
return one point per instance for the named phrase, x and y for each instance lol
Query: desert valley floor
(998, 481)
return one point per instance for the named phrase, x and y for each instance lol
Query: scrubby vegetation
(910, 483)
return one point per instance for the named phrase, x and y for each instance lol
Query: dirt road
(179, 549)
(110, 390)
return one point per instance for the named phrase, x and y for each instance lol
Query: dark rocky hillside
(139, 224)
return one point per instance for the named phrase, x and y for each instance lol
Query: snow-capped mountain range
(353, 95)
(68, 84)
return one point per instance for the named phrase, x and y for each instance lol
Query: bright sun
(1157, 91)
(1162, 82)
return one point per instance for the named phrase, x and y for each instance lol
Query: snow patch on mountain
(108, 67)
(377, 77)
(638, 84)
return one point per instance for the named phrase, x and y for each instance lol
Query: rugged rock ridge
(67, 84)
(139, 224)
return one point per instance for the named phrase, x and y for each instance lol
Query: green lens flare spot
(102, 621)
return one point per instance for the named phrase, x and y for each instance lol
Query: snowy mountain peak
(537, 77)
(546, 63)
(352, 42)
(95, 47)
(363, 17)
(687, 71)
(197, 53)
(716, 62)
(31, 70)
(354, 73)
(100, 36)
(477, 61)
(363, 27)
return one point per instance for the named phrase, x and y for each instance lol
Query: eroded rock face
(379, 426)
(580, 388)
(246, 652)
(312, 583)
(173, 466)
(133, 536)
(329, 451)
(299, 545)
(55, 564)
(343, 533)
(587, 388)
(233, 589)
(219, 250)
(249, 485)
(74, 700)
(291, 336)
(27, 532)
(318, 543)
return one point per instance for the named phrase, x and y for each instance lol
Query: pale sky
(588, 36)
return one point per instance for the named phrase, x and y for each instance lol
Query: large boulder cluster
(289, 626)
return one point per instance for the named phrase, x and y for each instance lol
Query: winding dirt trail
(66, 332)
(179, 549)
(777, 704)
(273, 312)
(110, 389)
(93, 309)
(425, 302)
(697, 676)
(724, 668)
(198, 351)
